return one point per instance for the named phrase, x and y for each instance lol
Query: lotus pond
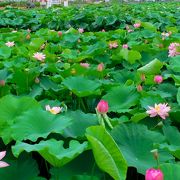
(90, 92)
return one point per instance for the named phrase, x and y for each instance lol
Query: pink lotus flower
(2, 82)
(103, 30)
(53, 110)
(173, 49)
(10, 44)
(158, 79)
(28, 30)
(2, 163)
(113, 45)
(143, 77)
(159, 110)
(60, 33)
(130, 30)
(39, 56)
(154, 174)
(100, 67)
(125, 46)
(139, 88)
(102, 107)
(85, 65)
(137, 25)
(81, 30)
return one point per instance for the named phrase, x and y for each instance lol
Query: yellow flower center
(157, 108)
(53, 111)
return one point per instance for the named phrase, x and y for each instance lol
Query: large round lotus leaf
(52, 150)
(82, 86)
(170, 171)
(136, 142)
(122, 98)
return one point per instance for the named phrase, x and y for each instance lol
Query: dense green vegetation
(55, 67)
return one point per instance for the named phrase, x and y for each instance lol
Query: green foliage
(170, 171)
(80, 69)
(131, 138)
(22, 168)
(52, 150)
(106, 152)
(121, 98)
(82, 86)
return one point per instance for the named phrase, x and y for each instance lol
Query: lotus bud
(102, 107)
(100, 67)
(158, 79)
(2, 83)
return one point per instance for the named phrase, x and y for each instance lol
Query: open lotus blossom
(113, 45)
(137, 25)
(154, 174)
(81, 30)
(2, 163)
(14, 31)
(85, 65)
(165, 35)
(10, 44)
(158, 79)
(174, 49)
(28, 30)
(100, 67)
(161, 110)
(102, 107)
(125, 46)
(53, 110)
(39, 56)
(128, 29)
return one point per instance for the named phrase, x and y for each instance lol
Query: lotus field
(90, 92)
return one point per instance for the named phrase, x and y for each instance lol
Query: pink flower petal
(2, 154)
(3, 164)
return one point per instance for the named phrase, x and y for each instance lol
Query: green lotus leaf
(136, 142)
(170, 171)
(173, 137)
(150, 100)
(12, 107)
(22, 168)
(174, 63)
(82, 120)
(82, 86)
(121, 98)
(151, 68)
(5, 52)
(77, 167)
(106, 152)
(36, 123)
(131, 56)
(178, 96)
(52, 150)
(36, 43)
